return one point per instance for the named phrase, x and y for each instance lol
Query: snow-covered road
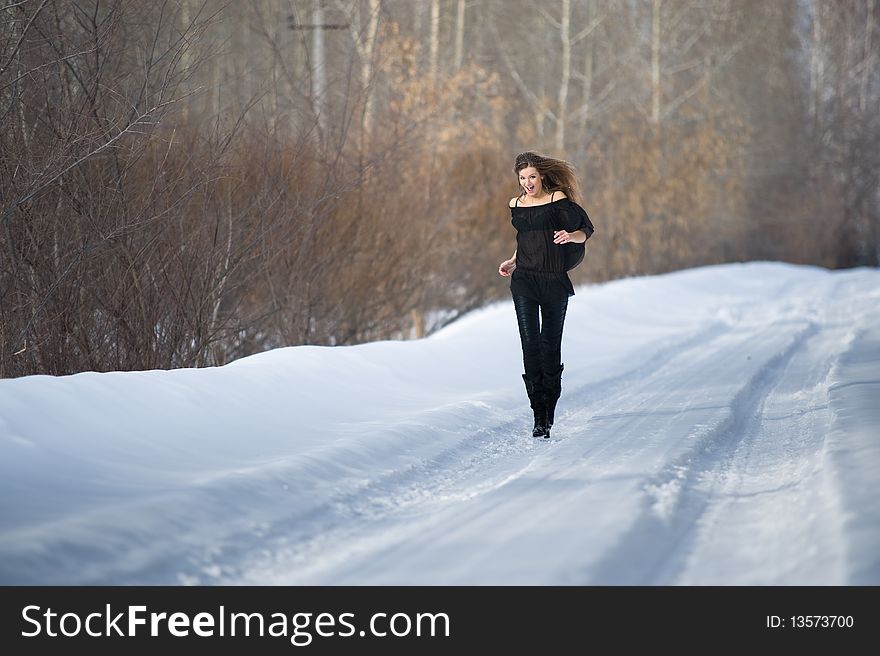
(717, 426)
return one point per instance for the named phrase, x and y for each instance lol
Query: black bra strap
(551, 196)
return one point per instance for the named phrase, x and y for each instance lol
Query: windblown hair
(556, 174)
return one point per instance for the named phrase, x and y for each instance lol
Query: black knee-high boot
(552, 392)
(535, 390)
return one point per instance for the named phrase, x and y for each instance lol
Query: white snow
(717, 426)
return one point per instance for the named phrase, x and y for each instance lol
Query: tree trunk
(564, 73)
(868, 59)
(589, 49)
(367, 50)
(435, 37)
(459, 34)
(655, 61)
(319, 69)
(816, 64)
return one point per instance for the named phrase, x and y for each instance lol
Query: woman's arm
(507, 267)
(575, 221)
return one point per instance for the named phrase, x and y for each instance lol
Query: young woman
(546, 215)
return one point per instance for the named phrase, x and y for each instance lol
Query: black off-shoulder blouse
(540, 264)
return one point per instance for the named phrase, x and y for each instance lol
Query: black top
(540, 264)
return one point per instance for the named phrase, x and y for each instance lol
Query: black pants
(541, 343)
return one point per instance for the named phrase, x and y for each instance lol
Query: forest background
(187, 182)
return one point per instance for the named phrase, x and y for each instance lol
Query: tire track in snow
(774, 488)
(674, 501)
(778, 486)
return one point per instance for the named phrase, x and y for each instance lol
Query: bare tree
(364, 34)
(459, 33)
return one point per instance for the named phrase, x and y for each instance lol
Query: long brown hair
(556, 174)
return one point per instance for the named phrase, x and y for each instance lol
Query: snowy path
(717, 426)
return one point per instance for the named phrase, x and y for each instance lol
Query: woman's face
(530, 180)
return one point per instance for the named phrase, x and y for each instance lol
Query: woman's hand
(561, 237)
(507, 266)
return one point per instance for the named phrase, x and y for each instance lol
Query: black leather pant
(541, 343)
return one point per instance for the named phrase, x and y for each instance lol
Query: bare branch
(555, 23)
(139, 120)
(23, 35)
(41, 66)
(588, 30)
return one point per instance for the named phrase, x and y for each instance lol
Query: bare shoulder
(513, 200)
(559, 194)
